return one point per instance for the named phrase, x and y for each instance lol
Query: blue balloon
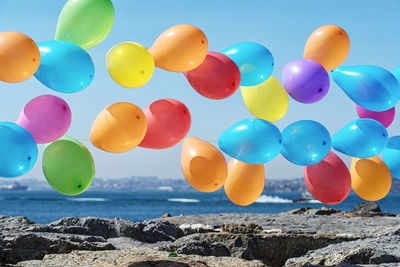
(255, 62)
(391, 156)
(18, 150)
(64, 66)
(371, 87)
(305, 142)
(252, 141)
(362, 138)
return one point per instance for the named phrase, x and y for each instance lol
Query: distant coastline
(153, 183)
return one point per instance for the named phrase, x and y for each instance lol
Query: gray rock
(382, 257)
(24, 246)
(336, 224)
(150, 231)
(367, 207)
(385, 249)
(135, 257)
(272, 249)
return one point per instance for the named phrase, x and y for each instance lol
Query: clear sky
(282, 26)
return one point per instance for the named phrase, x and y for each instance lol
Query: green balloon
(68, 166)
(85, 22)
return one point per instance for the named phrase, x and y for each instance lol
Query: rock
(24, 246)
(150, 231)
(357, 227)
(135, 257)
(385, 249)
(272, 249)
(166, 215)
(326, 211)
(155, 231)
(382, 257)
(242, 228)
(296, 211)
(367, 207)
(189, 229)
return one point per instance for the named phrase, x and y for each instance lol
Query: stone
(384, 249)
(272, 249)
(367, 207)
(135, 257)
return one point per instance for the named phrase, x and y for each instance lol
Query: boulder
(367, 207)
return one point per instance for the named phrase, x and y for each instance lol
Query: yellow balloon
(130, 64)
(370, 178)
(245, 182)
(268, 101)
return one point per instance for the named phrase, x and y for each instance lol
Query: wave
(272, 199)
(87, 199)
(187, 200)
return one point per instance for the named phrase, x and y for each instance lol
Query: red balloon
(168, 122)
(329, 181)
(217, 77)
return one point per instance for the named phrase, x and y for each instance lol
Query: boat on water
(305, 197)
(14, 187)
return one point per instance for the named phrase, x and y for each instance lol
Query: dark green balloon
(68, 166)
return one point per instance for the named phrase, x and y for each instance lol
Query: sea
(48, 206)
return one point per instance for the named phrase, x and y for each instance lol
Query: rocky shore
(302, 237)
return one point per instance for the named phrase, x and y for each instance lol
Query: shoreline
(295, 238)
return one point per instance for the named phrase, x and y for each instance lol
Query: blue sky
(282, 26)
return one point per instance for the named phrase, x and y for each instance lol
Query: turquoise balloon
(255, 62)
(396, 73)
(252, 141)
(305, 142)
(363, 138)
(391, 156)
(18, 150)
(64, 66)
(371, 87)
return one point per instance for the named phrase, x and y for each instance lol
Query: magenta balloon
(385, 117)
(46, 117)
(305, 80)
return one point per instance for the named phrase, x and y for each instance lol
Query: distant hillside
(151, 183)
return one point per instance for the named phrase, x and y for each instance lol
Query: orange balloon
(118, 128)
(19, 57)
(329, 45)
(180, 48)
(203, 166)
(245, 182)
(370, 178)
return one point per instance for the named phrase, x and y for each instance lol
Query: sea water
(48, 206)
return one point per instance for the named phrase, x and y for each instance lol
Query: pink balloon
(384, 117)
(46, 117)
(329, 181)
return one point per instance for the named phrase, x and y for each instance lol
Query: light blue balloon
(362, 138)
(64, 66)
(391, 156)
(305, 142)
(371, 87)
(18, 150)
(253, 141)
(254, 61)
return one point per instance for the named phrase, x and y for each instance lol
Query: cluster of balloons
(253, 142)
(65, 66)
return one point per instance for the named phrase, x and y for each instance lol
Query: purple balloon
(46, 117)
(305, 80)
(385, 117)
